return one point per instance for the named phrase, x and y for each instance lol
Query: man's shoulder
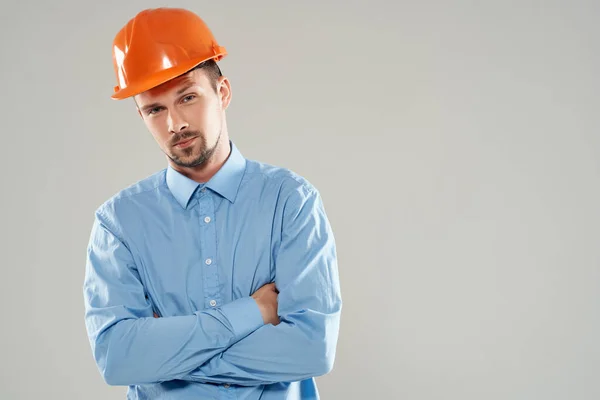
(136, 191)
(283, 178)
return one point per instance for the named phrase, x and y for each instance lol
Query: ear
(224, 92)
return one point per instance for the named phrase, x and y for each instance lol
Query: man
(215, 278)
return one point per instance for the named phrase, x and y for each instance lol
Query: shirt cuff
(243, 315)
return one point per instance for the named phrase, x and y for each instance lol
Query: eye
(188, 98)
(154, 110)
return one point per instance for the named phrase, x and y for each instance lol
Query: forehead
(173, 87)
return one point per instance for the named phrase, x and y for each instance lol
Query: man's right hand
(266, 298)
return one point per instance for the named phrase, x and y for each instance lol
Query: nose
(176, 122)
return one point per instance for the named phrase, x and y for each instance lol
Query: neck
(203, 173)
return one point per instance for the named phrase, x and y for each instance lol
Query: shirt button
(208, 261)
(207, 219)
(203, 190)
(226, 386)
(213, 303)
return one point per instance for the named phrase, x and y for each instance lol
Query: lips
(185, 142)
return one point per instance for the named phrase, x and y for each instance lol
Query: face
(186, 117)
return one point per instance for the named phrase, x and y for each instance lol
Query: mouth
(185, 143)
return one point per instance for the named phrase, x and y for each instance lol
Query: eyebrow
(179, 92)
(186, 87)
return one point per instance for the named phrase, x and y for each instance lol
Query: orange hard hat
(157, 45)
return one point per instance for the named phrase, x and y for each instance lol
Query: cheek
(159, 131)
(205, 117)
(212, 121)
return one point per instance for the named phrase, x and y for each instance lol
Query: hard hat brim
(160, 78)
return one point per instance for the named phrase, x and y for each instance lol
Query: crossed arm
(227, 344)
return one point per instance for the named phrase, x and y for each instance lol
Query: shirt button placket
(208, 247)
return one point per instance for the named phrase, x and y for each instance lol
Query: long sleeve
(128, 344)
(303, 345)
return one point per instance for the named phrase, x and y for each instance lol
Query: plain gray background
(455, 144)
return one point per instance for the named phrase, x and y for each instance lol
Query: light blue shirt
(194, 253)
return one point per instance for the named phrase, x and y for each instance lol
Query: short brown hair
(213, 72)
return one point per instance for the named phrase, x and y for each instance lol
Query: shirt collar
(225, 182)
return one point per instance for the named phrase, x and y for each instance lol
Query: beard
(195, 155)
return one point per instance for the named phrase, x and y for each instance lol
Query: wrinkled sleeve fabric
(303, 345)
(129, 345)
